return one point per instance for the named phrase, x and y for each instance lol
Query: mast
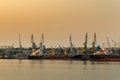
(34, 46)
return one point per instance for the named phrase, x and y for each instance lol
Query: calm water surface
(58, 70)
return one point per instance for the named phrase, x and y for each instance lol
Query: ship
(53, 54)
(37, 53)
(83, 55)
(103, 54)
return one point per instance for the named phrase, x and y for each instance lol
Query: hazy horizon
(57, 19)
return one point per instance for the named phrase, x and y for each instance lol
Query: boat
(84, 51)
(53, 54)
(37, 53)
(103, 54)
(72, 52)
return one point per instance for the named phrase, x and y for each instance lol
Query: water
(58, 70)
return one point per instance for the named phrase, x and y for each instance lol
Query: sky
(57, 19)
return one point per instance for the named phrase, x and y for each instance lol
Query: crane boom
(108, 42)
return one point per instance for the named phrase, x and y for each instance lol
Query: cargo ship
(104, 54)
(37, 53)
(41, 54)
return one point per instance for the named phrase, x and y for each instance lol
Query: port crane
(116, 44)
(42, 46)
(84, 50)
(72, 51)
(42, 42)
(20, 44)
(94, 40)
(92, 50)
(34, 46)
(108, 42)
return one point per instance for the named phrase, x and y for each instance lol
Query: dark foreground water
(58, 70)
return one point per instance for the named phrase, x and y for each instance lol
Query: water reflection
(70, 62)
(41, 62)
(58, 70)
(85, 62)
(19, 61)
(92, 62)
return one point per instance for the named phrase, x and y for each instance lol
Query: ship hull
(78, 57)
(81, 57)
(35, 57)
(112, 58)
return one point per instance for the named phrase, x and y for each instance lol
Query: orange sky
(57, 19)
